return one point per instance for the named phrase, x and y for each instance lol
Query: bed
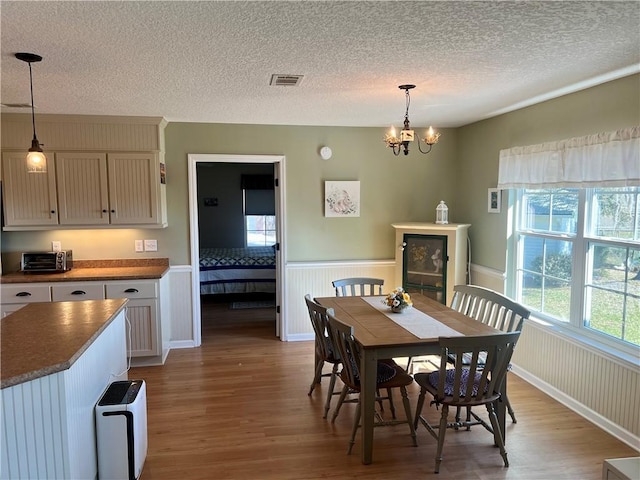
(237, 270)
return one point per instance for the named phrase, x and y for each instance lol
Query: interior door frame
(278, 162)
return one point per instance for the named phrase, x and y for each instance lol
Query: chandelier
(36, 160)
(398, 144)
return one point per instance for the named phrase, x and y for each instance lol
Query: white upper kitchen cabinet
(29, 198)
(82, 186)
(102, 172)
(108, 189)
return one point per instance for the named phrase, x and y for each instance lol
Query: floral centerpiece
(398, 300)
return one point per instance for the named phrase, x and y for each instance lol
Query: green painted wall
(603, 108)
(392, 188)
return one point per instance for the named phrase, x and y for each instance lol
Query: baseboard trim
(182, 344)
(594, 417)
(300, 337)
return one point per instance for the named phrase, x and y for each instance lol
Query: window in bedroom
(261, 230)
(577, 258)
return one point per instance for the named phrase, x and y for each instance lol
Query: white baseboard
(300, 337)
(182, 344)
(594, 417)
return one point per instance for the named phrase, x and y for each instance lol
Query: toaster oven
(35, 262)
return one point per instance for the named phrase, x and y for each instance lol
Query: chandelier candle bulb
(431, 137)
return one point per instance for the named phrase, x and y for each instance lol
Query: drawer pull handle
(23, 294)
(131, 290)
(78, 292)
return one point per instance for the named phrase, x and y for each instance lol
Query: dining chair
(466, 385)
(493, 309)
(324, 351)
(363, 287)
(358, 286)
(389, 376)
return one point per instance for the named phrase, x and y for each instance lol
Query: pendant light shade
(36, 159)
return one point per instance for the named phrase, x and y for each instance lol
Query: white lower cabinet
(147, 333)
(143, 317)
(18, 295)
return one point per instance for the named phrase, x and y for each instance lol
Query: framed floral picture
(342, 199)
(494, 200)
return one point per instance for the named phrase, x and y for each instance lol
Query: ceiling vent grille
(280, 80)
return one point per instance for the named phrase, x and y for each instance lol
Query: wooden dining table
(380, 336)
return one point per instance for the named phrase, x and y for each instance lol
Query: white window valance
(610, 159)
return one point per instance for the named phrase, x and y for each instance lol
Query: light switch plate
(139, 244)
(150, 245)
(56, 246)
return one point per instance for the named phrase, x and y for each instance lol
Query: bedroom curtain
(259, 194)
(610, 159)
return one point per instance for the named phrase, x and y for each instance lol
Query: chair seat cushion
(385, 372)
(434, 379)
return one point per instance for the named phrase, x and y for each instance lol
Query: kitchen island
(57, 359)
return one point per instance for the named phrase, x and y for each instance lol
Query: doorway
(194, 160)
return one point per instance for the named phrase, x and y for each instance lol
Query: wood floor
(237, 408)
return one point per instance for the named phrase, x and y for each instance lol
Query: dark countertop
(89, 270)
(45, 338)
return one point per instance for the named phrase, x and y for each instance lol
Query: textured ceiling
(212, 61)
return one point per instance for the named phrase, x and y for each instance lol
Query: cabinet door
(82, 188)
(425, 265)
(142, 316)
(134, 188)
(29, 198)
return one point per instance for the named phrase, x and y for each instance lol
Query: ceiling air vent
(280, 80)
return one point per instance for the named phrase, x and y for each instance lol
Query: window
(261, 230)
(575, 259)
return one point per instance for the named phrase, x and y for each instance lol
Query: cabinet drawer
(25, 294)
(73, 292)
(132, 290)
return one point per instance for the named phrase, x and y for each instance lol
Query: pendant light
(36, 160)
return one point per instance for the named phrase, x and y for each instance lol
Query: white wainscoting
(315, 279)
(596, 386)
(487, 277)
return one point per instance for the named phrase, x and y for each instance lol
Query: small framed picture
(493, 200)
(342, 199)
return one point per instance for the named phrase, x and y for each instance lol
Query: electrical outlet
(150, 245)
(139, 246)
(56, 246)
